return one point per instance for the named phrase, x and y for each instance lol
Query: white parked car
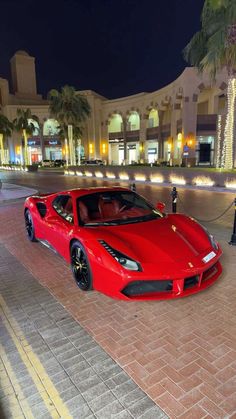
(46, 163)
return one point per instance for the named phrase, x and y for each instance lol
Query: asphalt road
(201, 204)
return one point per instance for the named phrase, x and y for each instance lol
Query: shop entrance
(204, 153)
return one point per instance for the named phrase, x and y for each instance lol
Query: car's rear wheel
(80, 267)
(29, 226)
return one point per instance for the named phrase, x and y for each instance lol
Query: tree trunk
(71, 145)
(1, 149)
(26, 157)
(227, 154)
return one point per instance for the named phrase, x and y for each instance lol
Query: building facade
(177, 124)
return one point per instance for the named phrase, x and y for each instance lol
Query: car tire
(80, 267)
(29, 226)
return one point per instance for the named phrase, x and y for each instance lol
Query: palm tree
(77, 133)
(70, 109)
(213, 48)
(6, 128)
(22, 123)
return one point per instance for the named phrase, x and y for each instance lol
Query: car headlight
(123, 260)
(213, 242)
(211, 238)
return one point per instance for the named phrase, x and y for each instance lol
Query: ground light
(203, 181)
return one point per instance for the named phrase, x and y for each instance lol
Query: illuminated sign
(32, 142)
(52, 142)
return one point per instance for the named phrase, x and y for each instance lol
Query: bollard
(233, 237)
(133, 187)
(174, 195)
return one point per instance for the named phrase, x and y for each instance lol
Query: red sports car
(119, 244)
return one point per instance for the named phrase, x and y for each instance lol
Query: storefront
(52, 148)
(116, 151)
(132, 152)
(152, 151)
(34, 150)
(205, 149)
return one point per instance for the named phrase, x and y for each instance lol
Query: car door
(59, 225)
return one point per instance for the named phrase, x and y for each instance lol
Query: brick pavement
(50, 366)
(182, 353)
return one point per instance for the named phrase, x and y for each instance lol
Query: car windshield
(114, 208)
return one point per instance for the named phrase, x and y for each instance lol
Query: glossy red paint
(173, 254)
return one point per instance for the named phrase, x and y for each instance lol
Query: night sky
(116, 48)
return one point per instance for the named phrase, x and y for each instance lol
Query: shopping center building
(179, 122)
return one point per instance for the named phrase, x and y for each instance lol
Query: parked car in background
(59, 163)
(46, 163)
(95, 162)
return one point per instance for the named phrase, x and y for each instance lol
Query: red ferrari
(119, 244)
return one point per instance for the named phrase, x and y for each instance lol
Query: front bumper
(158, 289)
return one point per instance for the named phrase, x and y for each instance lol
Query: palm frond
(196, 49)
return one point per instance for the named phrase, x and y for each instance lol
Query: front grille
(147, 287)
(209, 273)
(191, 282)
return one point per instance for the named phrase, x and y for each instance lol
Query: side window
(64, 207)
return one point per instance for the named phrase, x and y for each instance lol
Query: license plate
(208, 257)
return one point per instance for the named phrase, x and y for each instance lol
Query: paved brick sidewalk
(50, 366)
(182, 353)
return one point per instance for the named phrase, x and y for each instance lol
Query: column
(189, 125)
(124, 135)
(161, 145)
(142, 137)
(41, 140)
(105, 140)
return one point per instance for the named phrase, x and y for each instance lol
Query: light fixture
(156, 178)
(91, 148)
(230, 183)
(140, 177)
(99, 174)
(123, 176)
(110, 175)
(203, 181)
(177, 180)
(104, 148)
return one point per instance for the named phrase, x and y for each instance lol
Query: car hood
(165, 239)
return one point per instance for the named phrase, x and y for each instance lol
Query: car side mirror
(160, 206)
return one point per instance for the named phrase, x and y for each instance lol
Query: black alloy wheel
(29, 226)
(80, 267)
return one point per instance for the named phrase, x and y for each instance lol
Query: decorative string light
(219, 133)
(227, 155)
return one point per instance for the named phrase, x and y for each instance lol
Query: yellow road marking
(35, 368)
(14, 384)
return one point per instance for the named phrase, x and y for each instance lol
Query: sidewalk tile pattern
(182, 353)
(88, 381)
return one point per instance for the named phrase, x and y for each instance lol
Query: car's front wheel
(80, 267)
(29, 226)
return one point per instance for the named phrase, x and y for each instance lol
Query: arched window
(153, 119)
(134, 121)
(115, 124)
